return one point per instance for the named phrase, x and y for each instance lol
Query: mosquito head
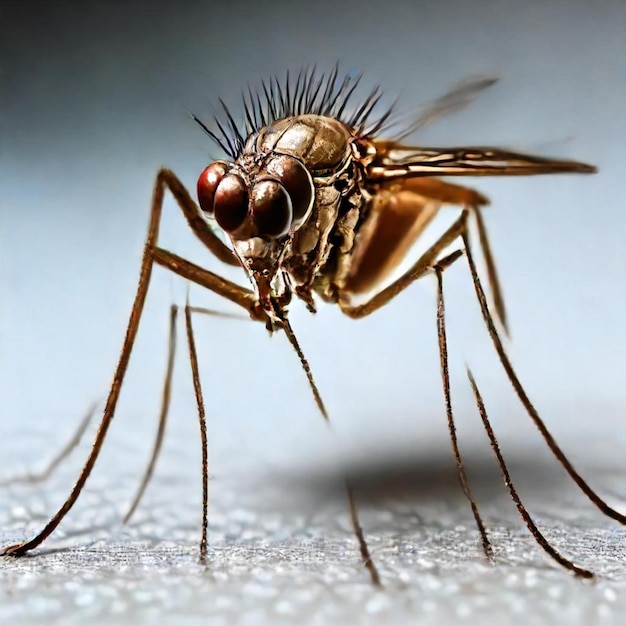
(260, 202)
(267, 200)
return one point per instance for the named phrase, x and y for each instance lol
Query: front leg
(245, 298)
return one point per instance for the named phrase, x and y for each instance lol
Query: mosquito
(321, 202)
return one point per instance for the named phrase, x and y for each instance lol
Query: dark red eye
(295, 178)
(271, 208)
(208, 182)
(231, 203)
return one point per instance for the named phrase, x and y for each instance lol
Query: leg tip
(16, 550)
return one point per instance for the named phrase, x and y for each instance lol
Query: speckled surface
(282, 552)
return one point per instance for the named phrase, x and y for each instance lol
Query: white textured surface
(281, 551)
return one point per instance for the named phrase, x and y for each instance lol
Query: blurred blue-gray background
(95, 98)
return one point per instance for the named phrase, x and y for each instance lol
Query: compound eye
(271, 209)
(230, 204)
(207, 184)
(296, 179)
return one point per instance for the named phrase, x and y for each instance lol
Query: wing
(461, 95)
(391, 161)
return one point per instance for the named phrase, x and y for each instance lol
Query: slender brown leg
(166, 396)
(445, 377)
(490, 264)
(53, 464)
(165, 178)
(525, 400)
(214, 313)
(306, 367)
(424, 265)
(536, 533)
(193, 357)
(221, 286)
(368, 561)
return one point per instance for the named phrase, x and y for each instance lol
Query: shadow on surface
(389, 476)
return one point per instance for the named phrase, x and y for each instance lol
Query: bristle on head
(309, 92)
